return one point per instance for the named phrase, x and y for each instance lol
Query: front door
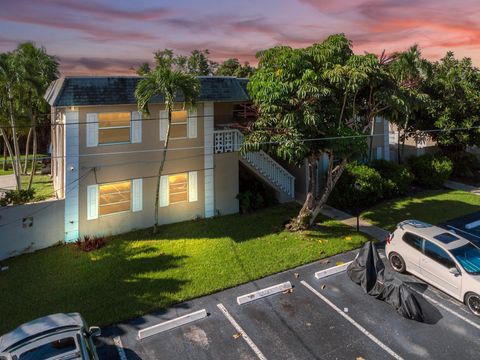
(436, 264)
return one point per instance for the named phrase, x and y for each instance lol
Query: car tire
(396, 262)
(472, 301)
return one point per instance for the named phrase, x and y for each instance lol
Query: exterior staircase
(259, 162)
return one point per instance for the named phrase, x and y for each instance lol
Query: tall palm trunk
(27, 150)
(160, 171)
(8, 146)
(34, 158)
(16, 148)
(4, 160)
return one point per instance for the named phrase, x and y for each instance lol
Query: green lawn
(9, 170)
(434, 206)
(137, 272)
(42, 184)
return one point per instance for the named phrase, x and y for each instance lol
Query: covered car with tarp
(368, 271)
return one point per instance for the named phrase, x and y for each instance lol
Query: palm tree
(167, 81)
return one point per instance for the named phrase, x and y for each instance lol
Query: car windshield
(51, 349)
(469, 257)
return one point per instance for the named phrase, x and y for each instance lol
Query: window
(51, 349)
(446, 238)
(178, 188)
(179, 124)
(113, 127)
(413, 240)
(468, 256)
(438, 254)
(114, 197)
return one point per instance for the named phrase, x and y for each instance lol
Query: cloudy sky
(111, 36)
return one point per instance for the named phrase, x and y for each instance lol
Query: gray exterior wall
(18, 237)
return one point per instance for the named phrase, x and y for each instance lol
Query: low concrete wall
(30, 227)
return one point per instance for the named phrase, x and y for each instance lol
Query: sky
(98, 37)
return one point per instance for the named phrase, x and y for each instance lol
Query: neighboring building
(381, 150)
(106, 155)
(417, 145)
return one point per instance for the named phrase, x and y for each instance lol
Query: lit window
(179, 124)
(178, 188)
(114, 197)
(113, 127)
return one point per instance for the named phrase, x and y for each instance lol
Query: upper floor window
(179, 124)
(113, 127)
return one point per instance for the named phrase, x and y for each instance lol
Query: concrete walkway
(365, 227)
(7, 182)
(460, 186)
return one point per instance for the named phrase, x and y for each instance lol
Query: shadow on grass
(238, 227)
(105, 286)
(432, 206)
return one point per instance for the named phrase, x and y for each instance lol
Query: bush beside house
(431, 170)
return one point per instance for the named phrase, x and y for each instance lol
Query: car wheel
(472, 300)
(397, 262)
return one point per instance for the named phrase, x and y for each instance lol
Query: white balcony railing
(231, 140)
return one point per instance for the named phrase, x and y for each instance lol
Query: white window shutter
(92, 130)
(192, 186)
(192, 123)
(92, 202)
(136, 127)
(164, 193)
(379, 153)
(137, 195)
(163, 124)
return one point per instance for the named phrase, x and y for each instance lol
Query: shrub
(396, 178)
(430, 170)
(90, 243)
(370, 188)
(17, 197)
(464, 164)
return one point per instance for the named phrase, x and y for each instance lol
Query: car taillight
(389, 238)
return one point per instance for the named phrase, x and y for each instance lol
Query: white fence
(30, 227)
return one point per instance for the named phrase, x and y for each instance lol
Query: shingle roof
(113, 90)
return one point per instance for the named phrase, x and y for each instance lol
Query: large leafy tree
(454, 109)
(170, 80)
(316, 101)
(232, 67)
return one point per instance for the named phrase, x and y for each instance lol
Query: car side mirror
(94, 331)
(454, 271)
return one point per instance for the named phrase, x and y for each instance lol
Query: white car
(442, 258)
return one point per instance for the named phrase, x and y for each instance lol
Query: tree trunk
(16, 149)
(34, 158)
(27, 148)
(312, 206)
(8, 146)
(4, 160)
(372, 131)
(160, 170)
(399, 154)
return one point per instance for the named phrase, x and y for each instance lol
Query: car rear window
(413, 240)
(49, 350)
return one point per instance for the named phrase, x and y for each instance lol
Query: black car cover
(368, 271)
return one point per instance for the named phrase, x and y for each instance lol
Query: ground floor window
(114, 197)
(178, 188)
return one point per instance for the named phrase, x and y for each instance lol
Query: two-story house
(106, 154)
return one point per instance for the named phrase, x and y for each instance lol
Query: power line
(252, 144)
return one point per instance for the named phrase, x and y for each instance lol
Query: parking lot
(327, 318)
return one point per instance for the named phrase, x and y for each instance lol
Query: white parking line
(118, 344)
(245, 337)
(353, 322)
(468, 321)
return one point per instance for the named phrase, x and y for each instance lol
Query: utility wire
(252, 144)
